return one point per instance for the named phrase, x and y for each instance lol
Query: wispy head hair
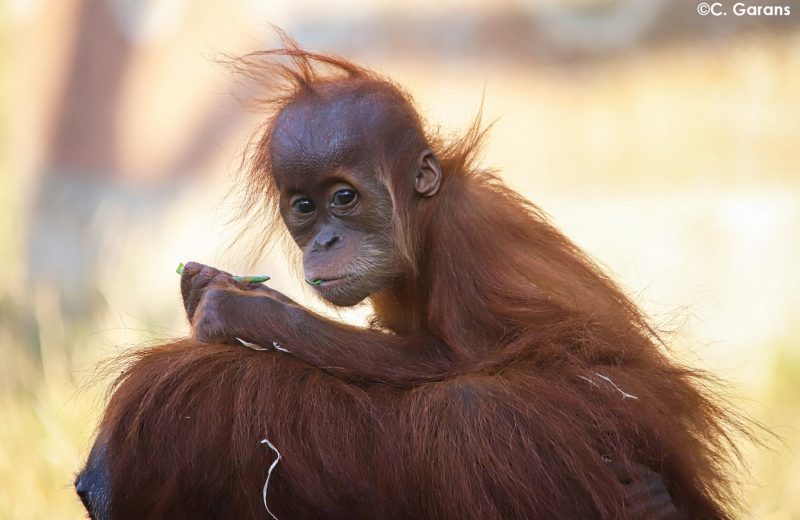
(288, 73)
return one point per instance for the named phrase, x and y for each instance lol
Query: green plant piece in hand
(259, 278)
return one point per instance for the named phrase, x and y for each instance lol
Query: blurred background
(664, 142)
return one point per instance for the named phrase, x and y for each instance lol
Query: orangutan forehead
(329, 128)
(312, 134)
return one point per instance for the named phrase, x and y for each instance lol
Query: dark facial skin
(333, 199)
(93, 484)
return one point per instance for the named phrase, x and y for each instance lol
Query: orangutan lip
(328, 282)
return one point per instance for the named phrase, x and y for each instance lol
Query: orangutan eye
(303, 205)
(344, 197)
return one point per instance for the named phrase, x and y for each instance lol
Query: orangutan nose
(325, 241)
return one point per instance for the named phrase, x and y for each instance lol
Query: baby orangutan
(503, 376)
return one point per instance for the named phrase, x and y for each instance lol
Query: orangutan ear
(429, 175)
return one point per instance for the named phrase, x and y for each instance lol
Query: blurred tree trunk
(80, 166)
(84, 200)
